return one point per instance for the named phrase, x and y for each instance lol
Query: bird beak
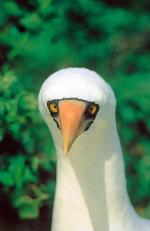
(71, 115)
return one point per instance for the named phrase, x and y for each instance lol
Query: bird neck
(91, 189)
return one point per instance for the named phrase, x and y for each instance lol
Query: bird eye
(53, 107)
(92, 109)
(90, 114)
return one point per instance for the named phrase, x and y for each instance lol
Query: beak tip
(66, 151)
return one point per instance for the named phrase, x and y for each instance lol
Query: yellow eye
(92, 109)
(53, 107)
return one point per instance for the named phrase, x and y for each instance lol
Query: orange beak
(71, 120)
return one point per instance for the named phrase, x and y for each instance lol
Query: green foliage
(133, 116)
(39, 37)
(21, 162)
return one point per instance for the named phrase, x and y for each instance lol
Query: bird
(79, 106)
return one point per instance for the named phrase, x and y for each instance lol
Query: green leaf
(7, 179)
(28, 207)
(31, 21)
(12, 8)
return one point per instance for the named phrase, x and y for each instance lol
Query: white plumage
(91, 188)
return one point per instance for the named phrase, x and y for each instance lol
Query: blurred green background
(39, 37)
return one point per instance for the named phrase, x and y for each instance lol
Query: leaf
(28, 207)
(31, 21)
(12, 8)
(7, 179)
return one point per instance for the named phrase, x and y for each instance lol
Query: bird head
(71, 100)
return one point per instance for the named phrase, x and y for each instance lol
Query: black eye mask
(88, 115)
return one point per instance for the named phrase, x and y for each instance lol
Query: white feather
(91, 190)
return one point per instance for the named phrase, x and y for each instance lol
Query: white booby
(79, 109)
